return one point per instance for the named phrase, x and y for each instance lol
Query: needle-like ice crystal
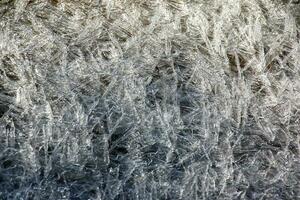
(149, 99)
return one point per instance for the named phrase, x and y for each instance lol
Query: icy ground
(149, 99)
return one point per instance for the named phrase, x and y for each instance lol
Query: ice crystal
(149, 99)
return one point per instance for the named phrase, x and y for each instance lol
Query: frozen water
(149, 99)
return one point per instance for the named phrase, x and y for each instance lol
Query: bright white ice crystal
(149, 99)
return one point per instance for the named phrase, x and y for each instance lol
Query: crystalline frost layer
(149, 99)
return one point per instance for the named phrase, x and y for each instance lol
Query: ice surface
(149, 99)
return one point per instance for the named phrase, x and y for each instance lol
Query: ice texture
(149, 99)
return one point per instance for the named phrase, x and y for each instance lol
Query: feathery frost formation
(149, 99)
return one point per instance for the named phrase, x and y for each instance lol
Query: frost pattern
(149, 99)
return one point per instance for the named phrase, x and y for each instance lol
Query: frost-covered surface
(149, 99)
